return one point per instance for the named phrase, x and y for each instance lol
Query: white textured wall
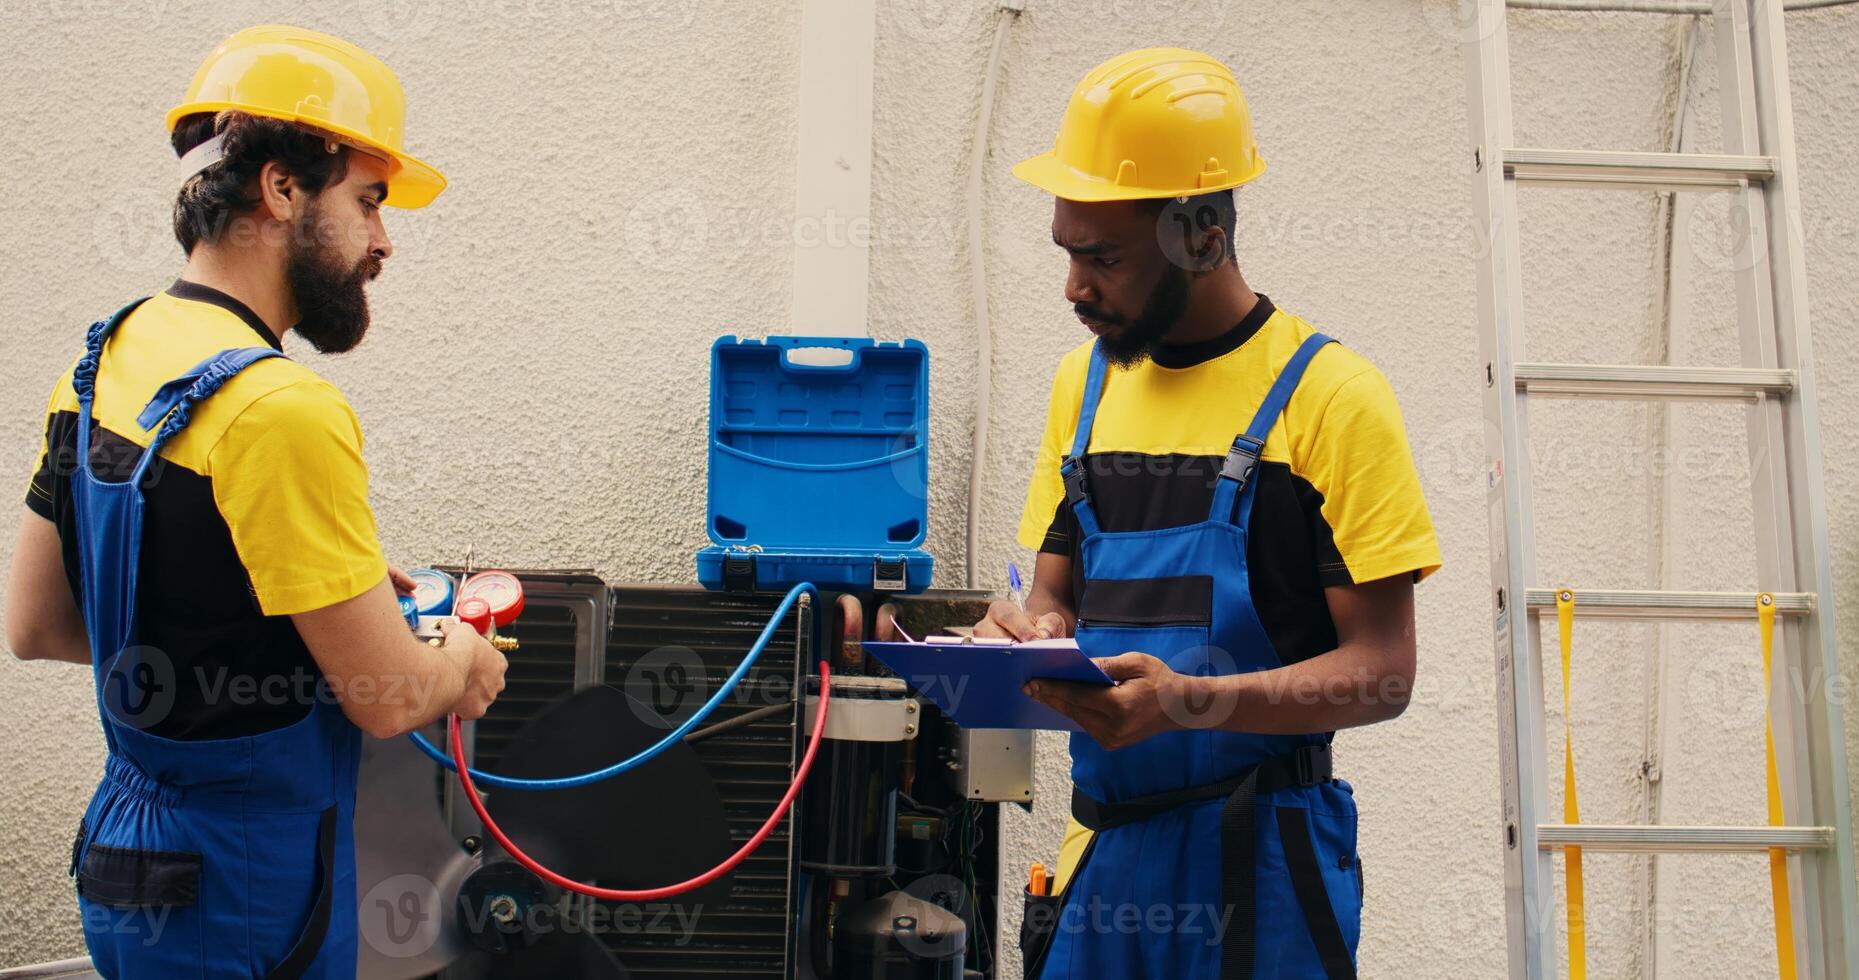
(622, 193)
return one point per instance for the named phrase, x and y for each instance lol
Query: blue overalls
(1215, 854)
(220, 858)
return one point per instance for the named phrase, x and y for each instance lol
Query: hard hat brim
(411, 182)
(1047, 173)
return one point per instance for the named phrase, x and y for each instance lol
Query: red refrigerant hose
(456, 735)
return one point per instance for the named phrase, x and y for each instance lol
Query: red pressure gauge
(499, 592)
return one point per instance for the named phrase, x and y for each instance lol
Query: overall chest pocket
(1168, 618)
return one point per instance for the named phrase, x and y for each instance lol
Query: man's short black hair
(209, 200)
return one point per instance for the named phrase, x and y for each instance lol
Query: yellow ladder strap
(1778, 858)
(1571, 810)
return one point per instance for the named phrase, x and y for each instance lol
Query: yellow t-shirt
(1338, 499)
(258, 509)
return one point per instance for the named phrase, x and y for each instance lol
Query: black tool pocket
(128, 877)
(1037, 926)
(1039, 923)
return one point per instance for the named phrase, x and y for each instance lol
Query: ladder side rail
(1756, 299)
(1529, 888)
(1814, 779)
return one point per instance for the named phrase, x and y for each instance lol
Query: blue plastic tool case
(819, 472)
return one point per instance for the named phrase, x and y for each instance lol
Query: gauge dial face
(499, 590)
(432, 591)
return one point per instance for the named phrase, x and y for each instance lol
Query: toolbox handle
(819, 358)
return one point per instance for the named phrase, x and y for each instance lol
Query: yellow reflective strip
(1778, 858)
(1571, 809)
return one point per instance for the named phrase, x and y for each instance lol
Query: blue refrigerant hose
(674, 737)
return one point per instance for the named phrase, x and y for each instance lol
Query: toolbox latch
(738, 572)
(887, 574)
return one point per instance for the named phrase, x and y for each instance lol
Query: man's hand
(402, 582)
(1006, 619)
(1148, 699)
(483, 665)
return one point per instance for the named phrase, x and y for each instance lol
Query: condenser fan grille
(673, 648)
(541, 671)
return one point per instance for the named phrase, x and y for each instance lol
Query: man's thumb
(1123, 666)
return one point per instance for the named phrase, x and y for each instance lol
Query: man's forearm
(1350, 686)
(63, 648)
(436, 680)
(49, 631)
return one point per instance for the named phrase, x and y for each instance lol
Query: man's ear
(1215, 250)
(277, 197)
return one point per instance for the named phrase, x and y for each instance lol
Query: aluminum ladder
(1775, 379)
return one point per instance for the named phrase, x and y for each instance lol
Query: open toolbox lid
(819, 464)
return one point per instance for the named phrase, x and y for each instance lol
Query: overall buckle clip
(1242, 459)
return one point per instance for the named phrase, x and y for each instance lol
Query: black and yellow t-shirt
(1338, 499)
(258, 509)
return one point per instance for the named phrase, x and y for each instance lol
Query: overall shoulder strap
(84, 376)
(174, 402)
(1243, 457)
(1071, 469)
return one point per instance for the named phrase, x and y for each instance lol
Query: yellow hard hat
(1154, 123)
(319, 81)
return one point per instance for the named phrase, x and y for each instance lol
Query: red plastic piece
(476, 612)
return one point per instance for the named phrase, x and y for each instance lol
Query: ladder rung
(1640, 838)
(1651, 381)
(1650, 6)
(1603, 168)
(1652, 604)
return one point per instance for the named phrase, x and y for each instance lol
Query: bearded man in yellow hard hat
(201, 536)
(1228, 518)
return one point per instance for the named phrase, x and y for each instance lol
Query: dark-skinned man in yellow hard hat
(1228, 518)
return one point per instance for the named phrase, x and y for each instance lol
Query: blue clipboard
(978, 685)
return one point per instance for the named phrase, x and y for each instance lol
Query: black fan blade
(656, 825)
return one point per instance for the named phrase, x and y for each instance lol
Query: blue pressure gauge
(433, 591)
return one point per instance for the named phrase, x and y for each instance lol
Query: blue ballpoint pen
(1013, 582)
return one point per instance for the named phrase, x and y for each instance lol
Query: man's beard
(1140, 337)
(332, 301)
